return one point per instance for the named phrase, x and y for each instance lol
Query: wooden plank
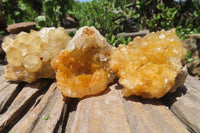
(101, 114)
(53, 109)
(195, 36)
(2, 79)
(68, 128)
(51, 105)
(185, 103)
(60, 127)
(146, 116)
(111, 112)
(3, 85)
(133, 34)
(20, 103)
(28, 122)
(55, 115)
(71, 113)
(2, 71)
(8, 92)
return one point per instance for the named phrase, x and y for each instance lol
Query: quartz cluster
(84, 65)
(148, 66)
(82, 68)
(29, 55)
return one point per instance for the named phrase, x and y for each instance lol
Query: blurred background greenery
(108, 16)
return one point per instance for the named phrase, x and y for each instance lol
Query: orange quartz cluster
(29, 55)
(148, 66)
(82, 68)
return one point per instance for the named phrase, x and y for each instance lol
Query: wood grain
(51, 106)
(55, 115)
(20, 103)
(185, 103)
(111, 112)
(107, 112)
(8, 93)
(28, 122)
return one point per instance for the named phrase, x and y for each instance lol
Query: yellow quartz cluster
(29, 55)
(148, 66)
(82, 68)
(84, 65)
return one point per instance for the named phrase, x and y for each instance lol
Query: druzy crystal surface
(29, 55)
(148, 66)
(82, 68)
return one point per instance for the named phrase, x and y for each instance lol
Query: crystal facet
(82, 68)
(29, 55)
(148, 66)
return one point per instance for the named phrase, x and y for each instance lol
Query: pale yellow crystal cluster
(29, 55)
(148, 66)
(82, 68)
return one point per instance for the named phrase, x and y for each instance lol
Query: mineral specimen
(148, 66)
(82, 68)
(29, 55)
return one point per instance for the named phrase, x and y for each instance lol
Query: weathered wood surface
(26, 106)
(1, 70)
(133, 34)
(185, 103)
(18, 27)
(113, 113)
(8, 91)
(51, 105)
(195, 36)
(18, 106)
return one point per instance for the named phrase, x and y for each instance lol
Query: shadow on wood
(180, 91)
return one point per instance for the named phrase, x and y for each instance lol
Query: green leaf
(40, 22)
(112, 38)
(188, 55)
(48, 0)
(196, 14)
(5, 1)
(160, 6)
(17, 13)
(149, 23)
(158, 16)
(129, 40)
(190, 60)
(45, 117)
(163, 24)
(41, 18)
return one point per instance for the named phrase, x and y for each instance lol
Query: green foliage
(157, 15)
(196, 5)
(52, 13)
(99, 14)
(17, 11)
(107, 16)
(2, 33)
(188, 56)
(163, 19)
(189, 23)
(145, 9)
(47, 12)
(71, 34)
(41, 22)
(116, 41)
